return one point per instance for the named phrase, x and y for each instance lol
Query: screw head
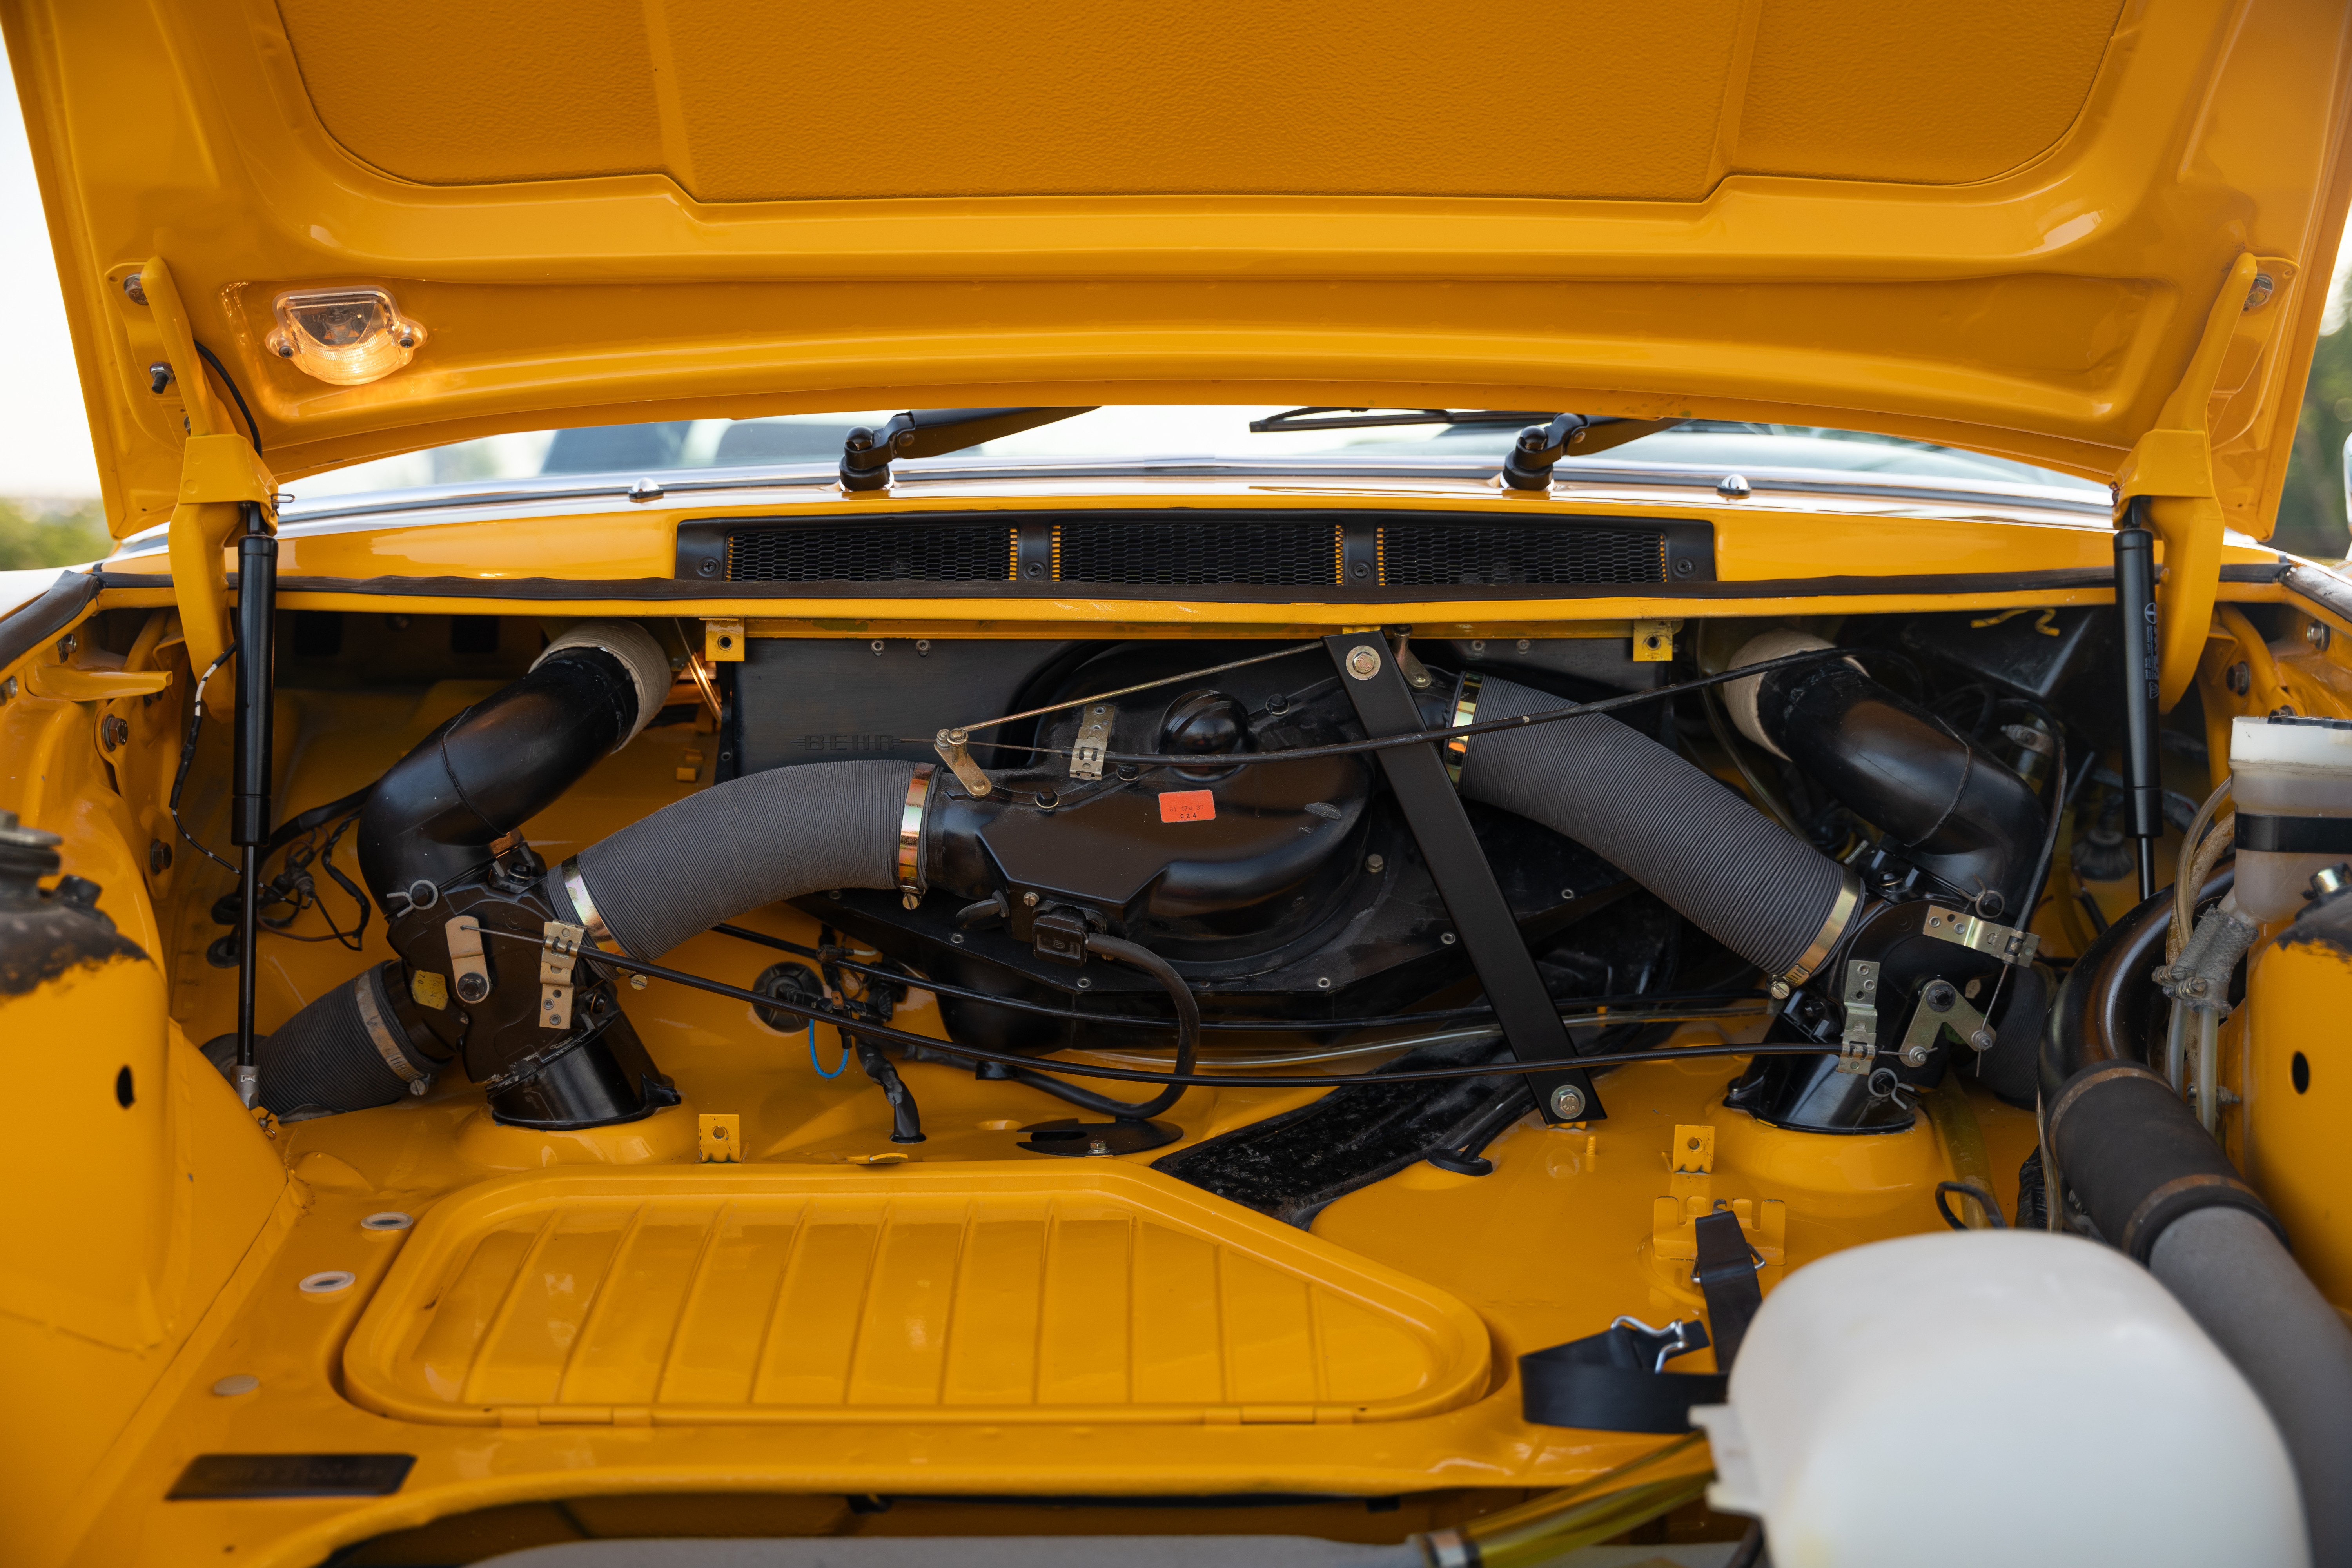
(134, 291)
(472, 987)
(1779, 991)
(636, 982)
(1939, 996)
(1568, 1102)
(2259, 294)
(1363, 663)
(707, 566)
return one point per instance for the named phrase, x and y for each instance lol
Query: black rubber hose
(1188, 1020)
(436, 812)
(2158, 1187)
(2229, 1271)
(2108, 1009)
(1960, 813)
(344, 1051)
(780, 834)
(1723, 864)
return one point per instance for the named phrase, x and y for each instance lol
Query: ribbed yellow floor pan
(1086, 1291)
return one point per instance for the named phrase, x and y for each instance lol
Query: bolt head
(1568, 1102)
(134, 291)
(1363, 663)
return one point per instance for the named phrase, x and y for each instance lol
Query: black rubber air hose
(1960, 813)
(742, 845)
(345, 1051)
(1719, 862)
(435, 814)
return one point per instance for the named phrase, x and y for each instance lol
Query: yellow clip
(722, 642)
(722, 1140)
(1653, 641)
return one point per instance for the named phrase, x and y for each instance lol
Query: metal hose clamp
(1825, 940)
(911, 831)
(592, 920)
(1466, 713)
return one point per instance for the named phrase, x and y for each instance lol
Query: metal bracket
(558, 961)
(1416, 674)
(1094, 739)
(952, 747)
(1859, 1044)
(468, 971)
(1941, 1004)
(2007, 943)
(1524, 1009)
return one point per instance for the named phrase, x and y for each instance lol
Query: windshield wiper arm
(1540, 448)
(1364, 419)
(866, 455)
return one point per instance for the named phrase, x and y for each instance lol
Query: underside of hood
(2043, 229)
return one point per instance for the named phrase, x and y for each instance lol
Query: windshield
(1187, 434)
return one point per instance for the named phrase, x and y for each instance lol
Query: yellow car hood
(2009, 226)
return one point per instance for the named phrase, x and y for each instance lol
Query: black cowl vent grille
(953, 552)
(1178, 554)
(1427, 556)
(1229, 553)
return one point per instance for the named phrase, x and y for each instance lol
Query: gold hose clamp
(911, 834)
(1466, 713)
(1825, 940)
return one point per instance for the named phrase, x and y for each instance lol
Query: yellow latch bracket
(2172, 467)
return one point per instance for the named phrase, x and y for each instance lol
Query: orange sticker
(1188, 806)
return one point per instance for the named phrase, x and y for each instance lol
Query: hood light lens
(346, 336)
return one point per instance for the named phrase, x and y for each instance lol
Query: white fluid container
(1997, 1399)
(2291, 783)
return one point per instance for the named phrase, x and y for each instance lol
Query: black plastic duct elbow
(1959, 813)
(426, 850)
(435, 814)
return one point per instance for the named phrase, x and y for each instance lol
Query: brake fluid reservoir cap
(2044, 1371)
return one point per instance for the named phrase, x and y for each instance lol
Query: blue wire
(836, 1072)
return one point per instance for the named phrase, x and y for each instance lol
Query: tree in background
(32, 534)
(2311, 519)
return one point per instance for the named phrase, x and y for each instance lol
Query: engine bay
(978, 981)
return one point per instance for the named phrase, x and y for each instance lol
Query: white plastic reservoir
(2009, 1398)
(2286, 768)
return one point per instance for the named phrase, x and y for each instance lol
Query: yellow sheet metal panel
(1999, 225)
(2295, 1076)
(986, 1292)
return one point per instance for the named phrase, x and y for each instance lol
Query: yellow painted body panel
(2028, 229)
(2004, 228)
(1029, 1292)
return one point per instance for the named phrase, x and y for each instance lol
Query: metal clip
(1094, 739)
(2007, 943)
(468, 971)
(952, 747)
(1669, 1342)
(1859, 1044)
(1416, 674)
(557, 963)
(1941, 1004)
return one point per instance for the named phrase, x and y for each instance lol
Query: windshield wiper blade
(866, 455)
(1365, 419)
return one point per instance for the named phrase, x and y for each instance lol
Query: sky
(45, 449)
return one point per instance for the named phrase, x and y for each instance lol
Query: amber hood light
(2006, 225)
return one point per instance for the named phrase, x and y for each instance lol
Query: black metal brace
(1523, 1006)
